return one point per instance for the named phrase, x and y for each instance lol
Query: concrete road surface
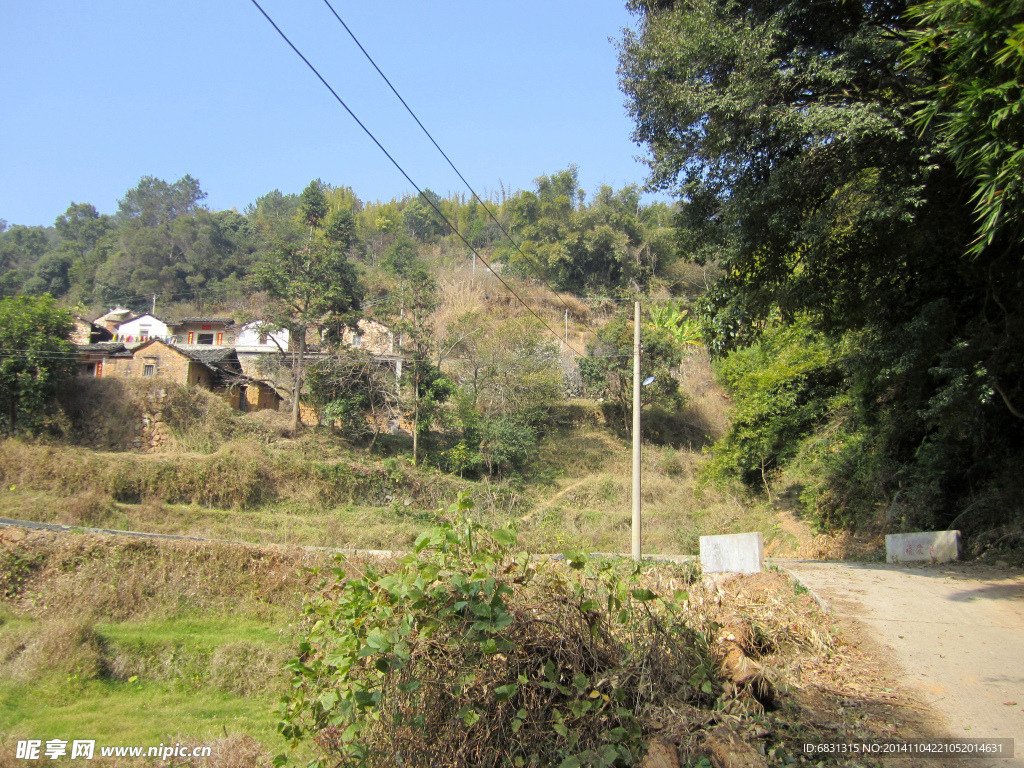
(956, 630)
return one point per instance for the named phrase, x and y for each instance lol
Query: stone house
(87, 332)
(92, 358)
(370, 335)
(215, 369)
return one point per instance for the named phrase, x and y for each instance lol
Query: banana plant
(677, 321)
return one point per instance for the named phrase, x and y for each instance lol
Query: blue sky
(96, 95)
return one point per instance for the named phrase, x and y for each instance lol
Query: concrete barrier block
(928, 547)
(732, 553)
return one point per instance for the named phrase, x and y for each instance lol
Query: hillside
(241, 476)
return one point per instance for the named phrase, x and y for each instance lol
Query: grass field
(140, 643)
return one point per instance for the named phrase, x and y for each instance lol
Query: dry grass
(463, 293)
(819, 685)
(106, 414)
(97, 630)
(705, 399)
(591, 507)
(238, 475)
(117, 579)
(843, 545)
(68, 645)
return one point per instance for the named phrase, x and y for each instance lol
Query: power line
(407, 177)
(438, 147)
(78, 354)
(642, 300)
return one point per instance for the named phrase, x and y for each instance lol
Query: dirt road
(956, 632)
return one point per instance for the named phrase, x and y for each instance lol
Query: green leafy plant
(672, 317)
(468, 653)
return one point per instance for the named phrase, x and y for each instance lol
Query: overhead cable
(438, 147)
(406, 175)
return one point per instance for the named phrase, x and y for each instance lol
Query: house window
(205, 338)
(149, 369)
(357, 339)
(144, 332)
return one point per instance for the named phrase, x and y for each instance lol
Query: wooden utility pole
(636, 430)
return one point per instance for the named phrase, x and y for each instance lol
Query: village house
(199, 331)
(92, 358)
(370, 335)
(252, 339)
(114, 318)
(139, 329)
(216, 369)
(205, 331)
(214, 353)
(87, 332)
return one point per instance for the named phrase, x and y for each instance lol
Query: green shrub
(468, 655)
(783, 387)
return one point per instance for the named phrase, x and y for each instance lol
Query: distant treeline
(163, 240)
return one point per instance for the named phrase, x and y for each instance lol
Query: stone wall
(373, 337)
(153, 431)
(140, 427)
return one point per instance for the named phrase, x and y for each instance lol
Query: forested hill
(164, 241)
(855, 171)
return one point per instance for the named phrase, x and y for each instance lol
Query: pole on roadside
(636, 430)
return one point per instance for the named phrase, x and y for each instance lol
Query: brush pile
(467, 653)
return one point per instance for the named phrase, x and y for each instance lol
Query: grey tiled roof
(221, 359)
(210, 355)
(101, 346)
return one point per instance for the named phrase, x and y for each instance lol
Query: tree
(420, 217)
(349, 385)
(309, 288)
(401, 255)
(508, 366)
(973, 54)
(313, 205)
(608, 368)
(153, 201)
(670, 316)
(611, 243)
(411, 321)
(788, 132)
(83, 225)
(508, 375)
(36, 359)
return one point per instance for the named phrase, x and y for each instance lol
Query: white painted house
(140, 329)
(250, 339)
